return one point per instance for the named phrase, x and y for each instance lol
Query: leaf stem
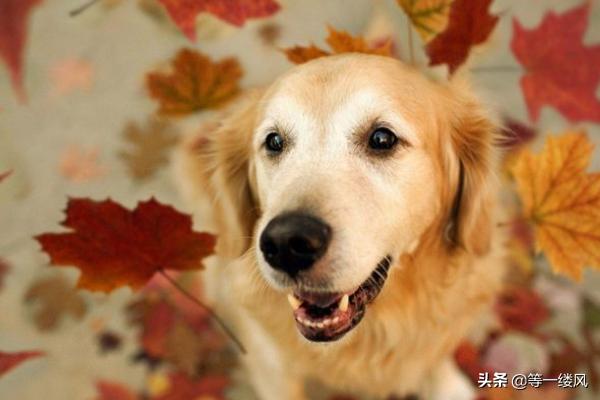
(82, 8)
(206, 308)
(411, 50)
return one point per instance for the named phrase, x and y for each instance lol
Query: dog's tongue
(322, 300)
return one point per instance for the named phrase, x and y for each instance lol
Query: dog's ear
(216, 175)
(474, 135)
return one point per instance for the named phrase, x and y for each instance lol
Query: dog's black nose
(293, 242)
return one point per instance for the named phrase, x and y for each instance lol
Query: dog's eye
(382, 139)
(274, 142)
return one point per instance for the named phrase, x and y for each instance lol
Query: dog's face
(348, 160)
(347, 181)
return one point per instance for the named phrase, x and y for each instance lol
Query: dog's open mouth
(324, 317)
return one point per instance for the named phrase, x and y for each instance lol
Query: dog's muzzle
(327, 316)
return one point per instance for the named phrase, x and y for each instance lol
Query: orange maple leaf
(428, 17)
(113, 246)
(562, 201)
(195, 83)
(340, 42)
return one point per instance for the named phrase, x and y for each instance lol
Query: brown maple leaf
(340, 42)
(269, 33)
(428, 17)
(54, 298)
(236, 12)
(184, 348)
(195, 83)
(562, 201)
(4, 268)
(559, 70)
(470, 24)
(148, 147)
(113, 246)
(9, 361)
(4, 175)
(13, 37)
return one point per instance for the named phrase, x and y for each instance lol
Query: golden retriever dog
(354, 201)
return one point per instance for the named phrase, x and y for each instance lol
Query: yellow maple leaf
(562, 201)
(195, 83)
(340, 42)
(428, 17)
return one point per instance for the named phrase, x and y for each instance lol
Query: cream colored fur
(438, 285)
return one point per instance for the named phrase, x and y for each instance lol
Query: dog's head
(339, 168)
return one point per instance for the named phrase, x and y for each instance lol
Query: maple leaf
(559, 70)
(4, 175)
(302, 54)
(13, 37)
(468, 359)
(340, 42)
(54, 298)
(9, 361)
(428, 17)
(80, 165)
(177, 332)
(516, 134)
(195, 83)
(4, 268)
(149, 147)
(470, 24)
(522, 309)
(184, 349)
(71, 74)
(236, 12)
(269, 33)
(113, 246)
(114, 391)
(181, 386)
(562, 201)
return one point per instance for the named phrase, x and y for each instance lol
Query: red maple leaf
(236, 12)
(468, 359)
(182, 387)
(516, 134)
(13, 36)
(559, 70)
(469, 24)
(113, 391)
(113, 246)
(9, 361)
(522, 309)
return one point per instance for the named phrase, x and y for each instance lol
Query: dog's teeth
(336, 320)
(327, 322)
(343, 306)
(320, 325)
(294, 301)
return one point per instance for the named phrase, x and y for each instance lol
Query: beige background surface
(121, 43)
